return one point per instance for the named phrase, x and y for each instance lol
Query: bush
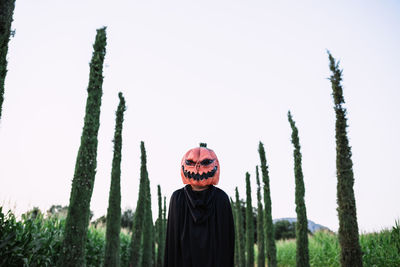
(284, 230)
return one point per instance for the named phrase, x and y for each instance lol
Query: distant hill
(312, 226)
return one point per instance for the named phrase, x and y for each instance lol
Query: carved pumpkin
(200, 167)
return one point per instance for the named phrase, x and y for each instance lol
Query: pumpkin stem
(203, 144)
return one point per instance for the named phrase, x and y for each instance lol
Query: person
(200, 228)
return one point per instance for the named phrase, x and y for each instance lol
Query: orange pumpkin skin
(200, 167)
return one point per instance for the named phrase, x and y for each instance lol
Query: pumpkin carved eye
(206, 162)
(189, 162)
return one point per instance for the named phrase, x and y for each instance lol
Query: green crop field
(37, 242)
(379, 249)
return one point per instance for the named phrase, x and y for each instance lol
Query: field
(37, 242)
(379, 249)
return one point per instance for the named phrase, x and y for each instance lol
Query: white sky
(221, 72)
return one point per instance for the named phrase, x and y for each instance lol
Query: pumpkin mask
(200, 167)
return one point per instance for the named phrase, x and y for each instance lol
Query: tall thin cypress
(6, 18)
(159, 229)
(164, 228)
(260, 224)
(148, 258)
(302, 256)
(112, 246)
(236, 252)
(137, 228)
(153, 234)
(249, 225)
(268, 224)
(350, 254)
(73, 247)
(240, 231)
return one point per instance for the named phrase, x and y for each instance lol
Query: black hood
(200, 203)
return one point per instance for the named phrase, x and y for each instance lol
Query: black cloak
(200, 231)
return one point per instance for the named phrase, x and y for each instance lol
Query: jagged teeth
(197, 176)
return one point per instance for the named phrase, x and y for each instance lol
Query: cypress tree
(260, 224)
(137, 229)
(249, 225)
(236, 252)
(240, 231)
(165, 221)
(6, 18)
(148, 258)
(350, 254)
(112, 246)
(73, 247)
(268, 224)
(302, 256)
(164, 228)
(159, 229)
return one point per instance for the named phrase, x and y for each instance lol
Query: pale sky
(220, 72)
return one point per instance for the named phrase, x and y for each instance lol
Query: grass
(323, 250)
(379, 249)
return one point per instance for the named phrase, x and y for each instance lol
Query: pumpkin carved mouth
(197, 176)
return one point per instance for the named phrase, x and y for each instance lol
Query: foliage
(125, 241)
(127, 219)
(138, 221)
(379, 249)
(260, 224)
(33, 213)
(284, 230)
(100, 222)
(302, 258)
(148, 248)
(59, 211)
(95, 243)
(73, 248)
(37, 241)
(111, 255)
(249, 225)
(268, 224)
(164, 226)
(351, 254)
(159, 234)
(236, 251)
(6, 18)
(239, 231)
(242, 208)
(32, 241)
(323, 250)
